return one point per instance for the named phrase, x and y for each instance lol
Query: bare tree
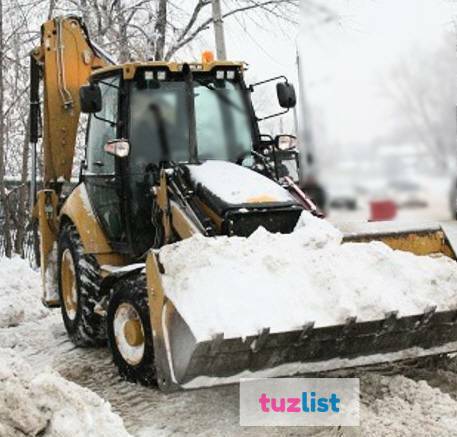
(16, 40)
(422, 90)
(3, 190)
(159, 29)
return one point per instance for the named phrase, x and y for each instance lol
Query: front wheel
(129, 331)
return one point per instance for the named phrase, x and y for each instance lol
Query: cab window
(101, 130)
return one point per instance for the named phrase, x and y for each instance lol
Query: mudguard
(77, 208)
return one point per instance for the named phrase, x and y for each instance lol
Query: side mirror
(119, 148)
(90, 98)
(286, 95)
(286, 142)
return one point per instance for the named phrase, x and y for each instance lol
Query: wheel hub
(68, 284)
(129, 333)
(133, 332)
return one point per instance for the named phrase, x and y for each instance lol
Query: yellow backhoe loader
(150, 125)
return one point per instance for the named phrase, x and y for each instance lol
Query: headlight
(286, 142)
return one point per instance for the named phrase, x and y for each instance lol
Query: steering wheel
(243, 156)
(260, 165)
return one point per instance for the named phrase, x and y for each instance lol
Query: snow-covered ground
(40, 402)
(34, 348)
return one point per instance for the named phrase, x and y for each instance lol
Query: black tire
(85, 328)
(132, 291)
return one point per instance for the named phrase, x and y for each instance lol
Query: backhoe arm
(63, 62)
(66, 58)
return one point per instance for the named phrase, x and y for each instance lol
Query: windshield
(223, 129)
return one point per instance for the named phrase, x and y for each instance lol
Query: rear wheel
(79, 290)
(129, 331)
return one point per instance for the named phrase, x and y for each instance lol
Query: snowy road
(146, 411)
(389, 403)
(392, 405)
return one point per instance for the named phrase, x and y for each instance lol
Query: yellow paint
(156, 294)
(46, 208)
(68, 283)
(164, 205)
(62, 81)
(183, 226)
(133, 332)
(263, 198)
(45, 211)
(213, 216)
(129, 70)
(419, 243)
(78, 209)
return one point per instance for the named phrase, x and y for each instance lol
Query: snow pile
(236, 184)
(398, 406)
(20, 295)
(238, 286)
(45, 404)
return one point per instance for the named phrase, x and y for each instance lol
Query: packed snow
(19, 293)
(398, 406)
(237, 185)
(43, 403)
(238, 286)
(34, 398)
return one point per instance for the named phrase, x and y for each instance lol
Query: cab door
(100, 172)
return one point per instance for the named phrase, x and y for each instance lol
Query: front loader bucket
(182, 362)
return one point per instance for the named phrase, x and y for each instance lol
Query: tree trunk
(52, 5)
(124, 54)
(3, 191)
(23, 210)
(160, 30)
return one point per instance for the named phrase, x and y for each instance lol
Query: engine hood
(239, 200)
(234, 186)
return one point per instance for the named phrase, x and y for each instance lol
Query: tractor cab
(150, 116)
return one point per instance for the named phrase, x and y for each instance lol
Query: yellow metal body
(78, 210)
(46, 213)
(161, 312)
(419, 243)
(129, 70)
(68, 61)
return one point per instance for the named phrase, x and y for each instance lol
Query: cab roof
(129, 69)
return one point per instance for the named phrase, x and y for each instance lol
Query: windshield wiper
(161, 129)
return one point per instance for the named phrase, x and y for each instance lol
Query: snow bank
(398, 406)
(236, 184)
(20, 295)
(240, 285)
(45, 404)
